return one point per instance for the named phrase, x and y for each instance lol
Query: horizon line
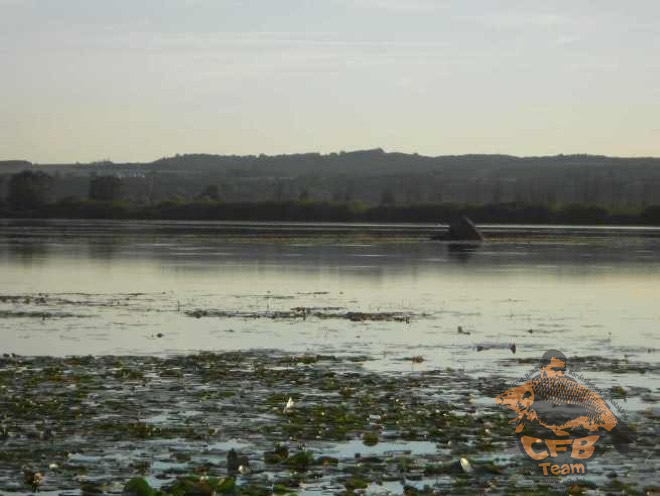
(336, 153)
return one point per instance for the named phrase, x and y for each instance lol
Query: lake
(386, 293)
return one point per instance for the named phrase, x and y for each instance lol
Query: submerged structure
(461, 229)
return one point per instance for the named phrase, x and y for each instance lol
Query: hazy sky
(141, 79)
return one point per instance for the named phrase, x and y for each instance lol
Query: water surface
(115, 287)
(384, 295)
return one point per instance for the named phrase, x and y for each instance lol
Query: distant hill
(375, 177)
(11, 165)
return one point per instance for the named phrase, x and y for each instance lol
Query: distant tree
(496, 195)
(651, 215)
(582, 214)
(387, 198)
(279, 191)
(29, 189)
(70, 200)
(357, 207)
(211, 192)
(349, 194)
(305, 195)
(105, 188)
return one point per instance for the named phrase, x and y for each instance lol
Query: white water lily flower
(465, 465)
(289, 405)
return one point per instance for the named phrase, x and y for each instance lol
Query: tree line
(29, 194)
(374, 177)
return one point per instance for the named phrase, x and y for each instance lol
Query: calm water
(124, 288)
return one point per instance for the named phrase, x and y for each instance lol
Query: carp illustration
(557, 402)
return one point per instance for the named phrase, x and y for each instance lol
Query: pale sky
(86, 80)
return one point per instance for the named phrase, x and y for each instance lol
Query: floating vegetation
(19, 314)
(262, 422)
(307, 312)
(618, 392)
(415, 359)
(370, 438)
(596, 364)
(76, 299)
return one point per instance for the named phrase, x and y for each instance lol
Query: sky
(136, 80)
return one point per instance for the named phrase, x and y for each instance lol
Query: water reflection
(27, 252)
(105, 248)
(462, 252)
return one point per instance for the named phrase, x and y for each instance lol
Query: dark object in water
(495, 346)
(236, 461)
(461, 229)
(622, 437)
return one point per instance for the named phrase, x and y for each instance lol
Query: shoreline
(355, 212)
(492, 231)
